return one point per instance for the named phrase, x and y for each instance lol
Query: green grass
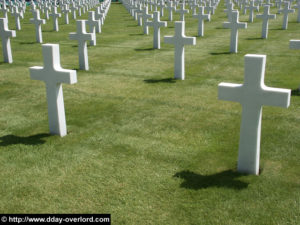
(140, 145)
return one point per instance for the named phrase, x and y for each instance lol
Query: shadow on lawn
(165, 80)
(31, 140)
(220, 53)
(226, 179)
(295, 92)
(143, 49)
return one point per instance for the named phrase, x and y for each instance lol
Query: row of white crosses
(53, 75)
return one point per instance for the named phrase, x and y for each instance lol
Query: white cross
(170, 9)
(295, 44)
(179, 40)
(161, 5)
(234, 25)
(55, 15)
(65, 10)
(210, 9)
(251, 8)
(298, 7)
(73, 10)
(4, 9)
(182, 11)
(17, 16)
(265, 17)
(201, 17)
(46, 11)
(93, 24)
(5, 35)
(53, 76)
(229, 10)
(82, 37)
(194, 5)
(146, 16)
(156, 24)
(252, 95)
(99, 16)
(286, 10)
(37, 21)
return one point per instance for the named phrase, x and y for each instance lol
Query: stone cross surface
(201, 17)
(182, 11)
(179, 40)
(37, 21)
(4, 9)
(265, 17)
(53, 76)
(251, 8)
(295, 44)
(252, 95)
(82, 37)
(286, 10)
(170, 9)
(55, 15)
(146, 16)
(234, 25)
(156, 24)
(298, 7)
(65, 10)
(5, 35)
(93, 24)
(17, 16)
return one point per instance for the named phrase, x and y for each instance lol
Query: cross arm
(189, 41)
(35, 73)
(276, 97)
(226, 25)
(66, 76)
(230, 92)
(169, 39)
(242, 25)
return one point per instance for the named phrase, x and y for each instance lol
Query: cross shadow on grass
(143, 49)
(255, 38)
(295, 92)
(30, 140)
(225, 179)
(165, 80)
(220, 53)
(135, 34)
(28, 43)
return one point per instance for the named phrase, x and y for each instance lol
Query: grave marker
(252, 95)
(82, 37)
(234, 25)
(37, 21)
(53, 76)
(5, 35)
(179, 40)
(265, 17)
(156, 24)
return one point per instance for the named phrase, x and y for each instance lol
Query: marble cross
(146, 16)
(182, 11)
(252, 95)
(170, 9)
(229, 11)
(53, 76)
(265, 17)
(251, 8)
(295, 44)
(298, 7)
(156, 24)
(73, 9)
(93, 24)
(37, 21)
(65, 11)
(234, 25)
(82, 37)
(17, 16)
(55, 15)
(179, 40)
(201, 17)
(4, 9)
(209, 8)
(5, 35)
(286, 10)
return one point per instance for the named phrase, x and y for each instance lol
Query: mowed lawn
(141, 146)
